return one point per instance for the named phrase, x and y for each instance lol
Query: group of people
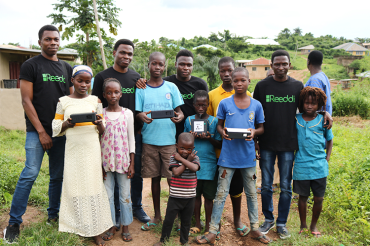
(97, 168)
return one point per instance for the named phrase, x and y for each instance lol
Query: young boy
(237, 111)
(226, 66)
(158, 135)
(205, 144)
(184, 164)
(311, 162)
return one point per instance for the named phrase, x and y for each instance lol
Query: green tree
(284, 34)
(213, 37)
(81, 18)
(297, 31)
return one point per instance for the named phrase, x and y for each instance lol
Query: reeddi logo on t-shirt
(128, 90)
(272, 98)
(47, 77)
(187, 96)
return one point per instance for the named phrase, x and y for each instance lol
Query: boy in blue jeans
(237, 111)
(205, 144)
(159, 134)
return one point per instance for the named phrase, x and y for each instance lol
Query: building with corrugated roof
(353, 49)
(307, 49)
(12, 57)
(257, 68)
(261, 41)
(366, 45)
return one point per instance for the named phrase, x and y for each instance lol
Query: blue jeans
(34, 156)
(124, 196)
(285, 164)
(223, 187)
(137, 180)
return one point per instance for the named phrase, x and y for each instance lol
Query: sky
(151, 19)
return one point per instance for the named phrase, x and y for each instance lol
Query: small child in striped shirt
(184, 164)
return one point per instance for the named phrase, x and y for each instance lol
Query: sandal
(148, 227)
(203, 237)
(241, 231)
(218, 236)
(194, 230)
(263, 239)
(316, 234)
(107, 236)
(125, 237)
(303, 231)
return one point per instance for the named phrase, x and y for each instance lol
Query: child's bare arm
(329, 146)
(222, 130)
(177, 171)
(188, 162)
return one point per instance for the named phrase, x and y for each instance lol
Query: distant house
(307, 49)
(362, 75)
(241, 63)
(366, 45)
(206, 46)
(12, 57)
(176, 46)
(257, 68)
(353, 49)
(261, 41)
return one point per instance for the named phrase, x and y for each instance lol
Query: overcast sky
(151, 19)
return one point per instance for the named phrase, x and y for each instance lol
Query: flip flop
(241, 231)
(194, 230)
(204, 238)
(218, 235)
(126, 235)
(149, 226)
(263, 237)
(107, 236)
(316, 234)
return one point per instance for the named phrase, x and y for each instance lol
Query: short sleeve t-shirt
(310, 160)
(128, 83)
(187, 90)
(239, 153)
(183, 186)
(206, 151)
(160, 132)
(280, 102)
(215, 97)
(50, 82)
(320, 80)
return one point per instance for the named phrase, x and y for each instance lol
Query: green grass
(345, 218)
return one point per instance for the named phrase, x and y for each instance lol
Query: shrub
(9, 173)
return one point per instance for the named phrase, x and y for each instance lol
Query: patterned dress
(84, 208)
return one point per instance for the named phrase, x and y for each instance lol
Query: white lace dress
(84, 207)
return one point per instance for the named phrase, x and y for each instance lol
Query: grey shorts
(155, 161)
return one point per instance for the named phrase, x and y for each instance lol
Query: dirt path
(298, 74)
(228, 233)
(141, 238)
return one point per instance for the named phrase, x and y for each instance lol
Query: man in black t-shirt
(186, 84)
(279, 96)
(123, 53)
(44, 79)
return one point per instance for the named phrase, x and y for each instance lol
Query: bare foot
(158, 244)
(99, 241)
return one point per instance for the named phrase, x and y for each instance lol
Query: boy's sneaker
(141, 215)
(11, 233)
(52, 221)
(266, 227)
(283, 232)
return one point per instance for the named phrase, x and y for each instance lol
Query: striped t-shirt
(183, 186)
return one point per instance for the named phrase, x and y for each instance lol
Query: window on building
(359, 52)
(254, 68)
(267, 68)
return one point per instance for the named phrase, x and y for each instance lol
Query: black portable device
(240, 133)
(85, 117)
(199, 126)
(161, 114)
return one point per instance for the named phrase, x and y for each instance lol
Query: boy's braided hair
(317, 95)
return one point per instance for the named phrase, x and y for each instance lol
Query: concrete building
(261, 41)
(366, 45)
(307, 49)
(257, 68)
(12, 57)
(353, 49)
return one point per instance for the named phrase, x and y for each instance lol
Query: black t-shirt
(280, 102)
(187, 90)
(49, 80)
(128, 82)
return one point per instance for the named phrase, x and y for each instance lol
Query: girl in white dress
(84, 208)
